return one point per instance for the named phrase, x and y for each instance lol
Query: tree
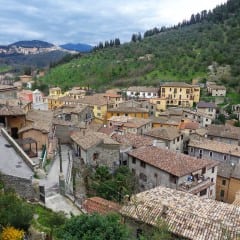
(94, 226)
(14, 211)
(112, 186)
(55, 220)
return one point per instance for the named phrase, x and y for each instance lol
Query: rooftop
(216, 146)
(143, 89)
(130, 122)
(7, 87)
(176, 84)
(6, 110)
(87, 139)
(128, 110)
(224, 131)
(202, 104)
(133, 140)
(185, 214)
(100, 205)
(177, 164)
(166, 133)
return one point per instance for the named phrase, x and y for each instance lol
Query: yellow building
(128, 111)
(55, 91)
(180, 94)
(160, 103)
(228, 182)
(53, 98)
(98, 103)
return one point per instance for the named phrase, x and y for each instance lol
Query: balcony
(195, 186)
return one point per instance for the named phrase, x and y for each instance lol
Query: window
(211, 192)
(222, 193)
(204, 170)
(133, 171)
(210, 154)
(98, 108)
(224, 157)
(95, 156)
(143, 164)
(173, 179)
(203, 192)
(158, 102)
(155, 175)
(191, 149)
(143, 177)
(213, 169)
(223, 182)
(133, 160)
(178, 139)
(211, 179)
(98, 114)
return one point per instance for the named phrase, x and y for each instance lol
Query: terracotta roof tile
(224, 131)
(174, 163)
(133, 140)
(11, 111)
(87, 139)
(186, 215)
(216, 146)
(100, 205)
(166, 133)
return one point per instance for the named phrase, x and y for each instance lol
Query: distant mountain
(79, 47)
(32, 44)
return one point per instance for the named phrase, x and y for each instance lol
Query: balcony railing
(195, 186)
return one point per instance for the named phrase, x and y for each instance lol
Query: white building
(38, 101)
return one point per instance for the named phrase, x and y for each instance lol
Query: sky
(88, 21)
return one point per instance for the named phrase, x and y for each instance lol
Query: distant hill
(179, 53)
(34, 53)
(32, 44)
(79, 47)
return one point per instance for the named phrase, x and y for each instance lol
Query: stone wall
(22, 186)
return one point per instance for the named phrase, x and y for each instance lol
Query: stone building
(170, 138)
(95, 149)
(209, 149)
(155, 166)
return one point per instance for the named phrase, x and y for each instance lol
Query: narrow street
(54, 199)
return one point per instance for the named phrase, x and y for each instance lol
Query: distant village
(187, 167)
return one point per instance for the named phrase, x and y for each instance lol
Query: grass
(41, 221)
(234, 97)
(4, 68)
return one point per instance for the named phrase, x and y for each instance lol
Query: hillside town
(186, 165)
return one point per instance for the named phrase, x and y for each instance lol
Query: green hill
(179, 53)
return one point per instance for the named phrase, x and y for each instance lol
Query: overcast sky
(87, 21)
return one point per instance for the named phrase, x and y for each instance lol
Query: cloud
(90, 21)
